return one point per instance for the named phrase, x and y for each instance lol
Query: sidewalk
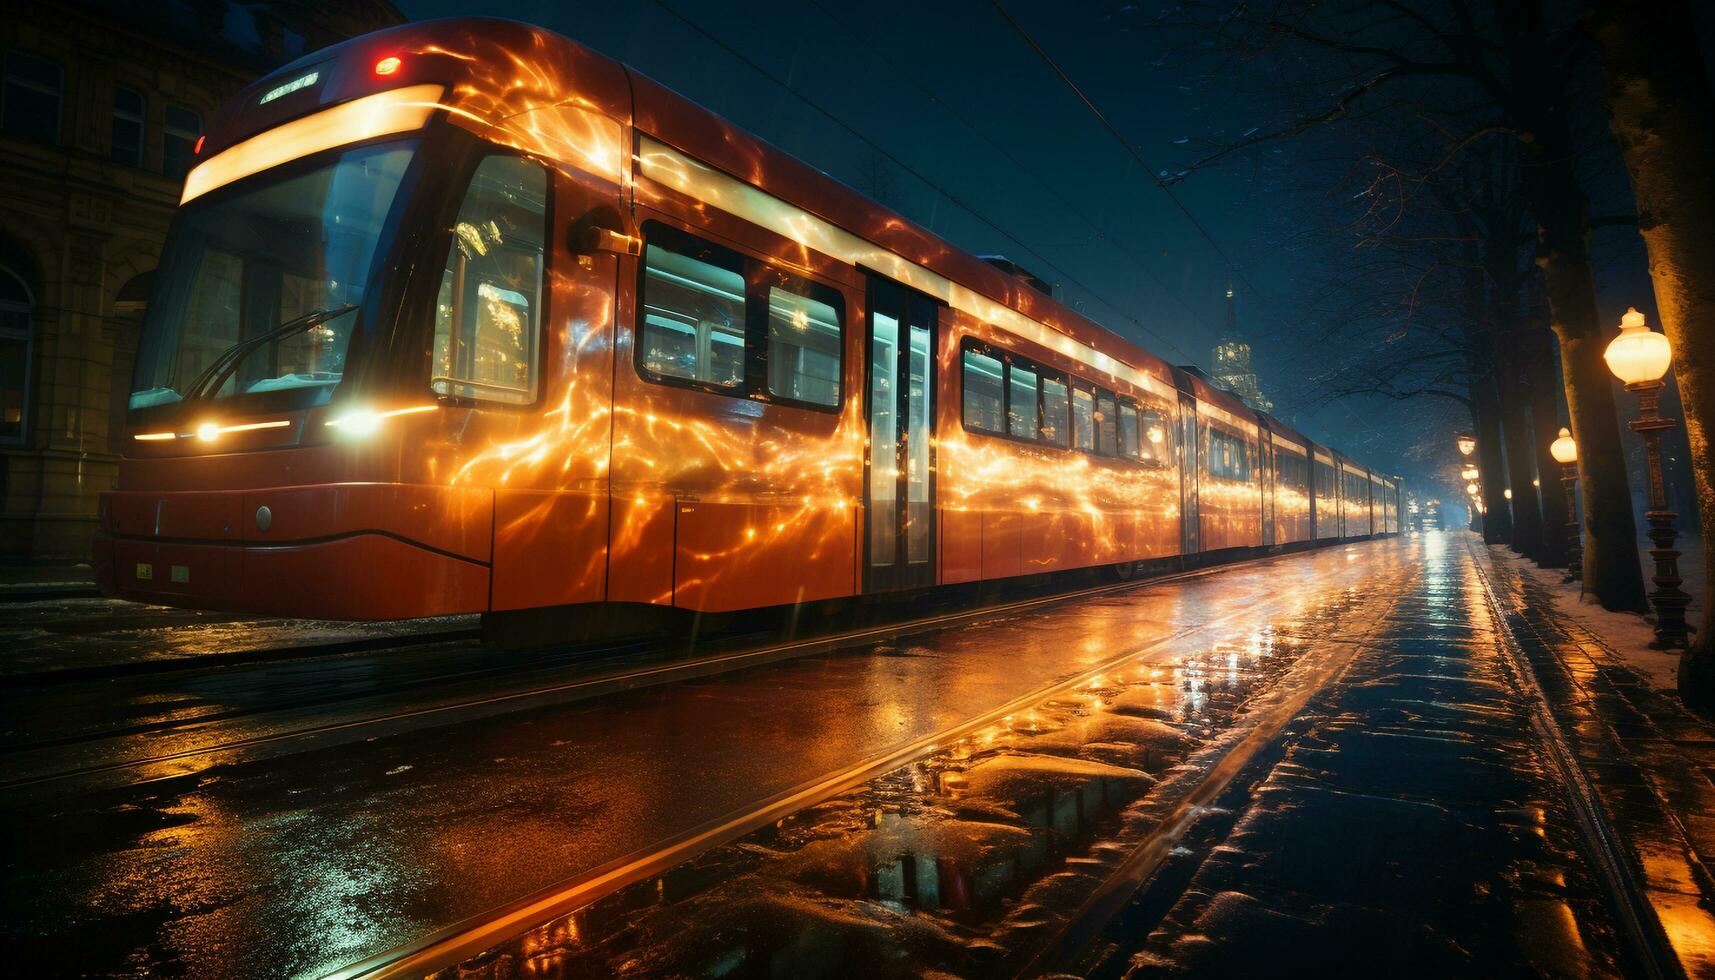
(1650, 761)
(1411, 824)
(25, 581)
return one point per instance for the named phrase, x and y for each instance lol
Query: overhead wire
(1000, 148)
(912, 171)
(1126, 144)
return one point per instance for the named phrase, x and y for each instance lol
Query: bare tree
(1472, 70)
(1664, 119)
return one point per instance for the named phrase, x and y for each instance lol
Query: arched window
(17, 316)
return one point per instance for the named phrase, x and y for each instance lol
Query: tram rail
(174, 764)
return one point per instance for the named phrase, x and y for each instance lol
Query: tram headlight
(208, 432)
(363, 422)
(358, 423)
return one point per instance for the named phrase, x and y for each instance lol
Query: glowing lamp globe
(1466, 442)
(1471, 488)
(1468, 473)
(1638, 354)
(1563, 449)
(1507, 493)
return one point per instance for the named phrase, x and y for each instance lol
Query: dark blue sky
(1139, 260)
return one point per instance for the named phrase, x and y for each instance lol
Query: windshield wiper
(228, 360)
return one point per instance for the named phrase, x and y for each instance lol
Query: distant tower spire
(1233, 362)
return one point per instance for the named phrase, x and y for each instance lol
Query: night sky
(953, 92)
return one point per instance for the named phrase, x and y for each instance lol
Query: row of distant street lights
(1640, 358)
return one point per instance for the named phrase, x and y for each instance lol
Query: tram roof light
(387, 65)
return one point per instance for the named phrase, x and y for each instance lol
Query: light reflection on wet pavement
(301, 863)
(1409, 827)
(1400, 824)
(1650, 763)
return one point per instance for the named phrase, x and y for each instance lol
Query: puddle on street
(950, 864)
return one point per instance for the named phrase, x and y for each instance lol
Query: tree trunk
(1664, 118)
(1497, 519)
(1549, 181)
(1545, 428)
(1520, 449)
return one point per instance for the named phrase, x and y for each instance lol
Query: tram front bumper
(347, 551)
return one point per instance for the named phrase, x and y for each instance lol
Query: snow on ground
(1627, 634)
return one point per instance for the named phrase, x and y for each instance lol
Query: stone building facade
(101, 103)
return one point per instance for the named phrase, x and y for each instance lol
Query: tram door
(1265, 456)
(899, 464)
(1189, 446)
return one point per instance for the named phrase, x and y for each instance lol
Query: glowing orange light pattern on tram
(400, 499)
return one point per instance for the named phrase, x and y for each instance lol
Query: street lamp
(1468, 473)
(1507, 493)
(1640, 357)
(1466, 442)
(1565, 452)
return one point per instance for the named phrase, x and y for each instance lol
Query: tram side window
(1107, 425)
(804, 344)
(1054, 406)
(983, 398)
(488, 313)
(1021, 395)
(1083, 420)
(1156, 445)
(1229, 456)
(693, 312)
(1130, 447)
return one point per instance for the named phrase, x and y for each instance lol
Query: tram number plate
(180, 574)
(145, 571)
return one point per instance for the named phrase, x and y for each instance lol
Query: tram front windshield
(245, 259)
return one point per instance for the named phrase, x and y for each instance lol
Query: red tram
(464, 317)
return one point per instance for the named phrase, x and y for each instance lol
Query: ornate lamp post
(1640, 357)
(1565, 452)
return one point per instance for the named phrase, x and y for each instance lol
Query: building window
(129, 111)
(178, 140)
(488, 315)
(30, 99)
(16, 327)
